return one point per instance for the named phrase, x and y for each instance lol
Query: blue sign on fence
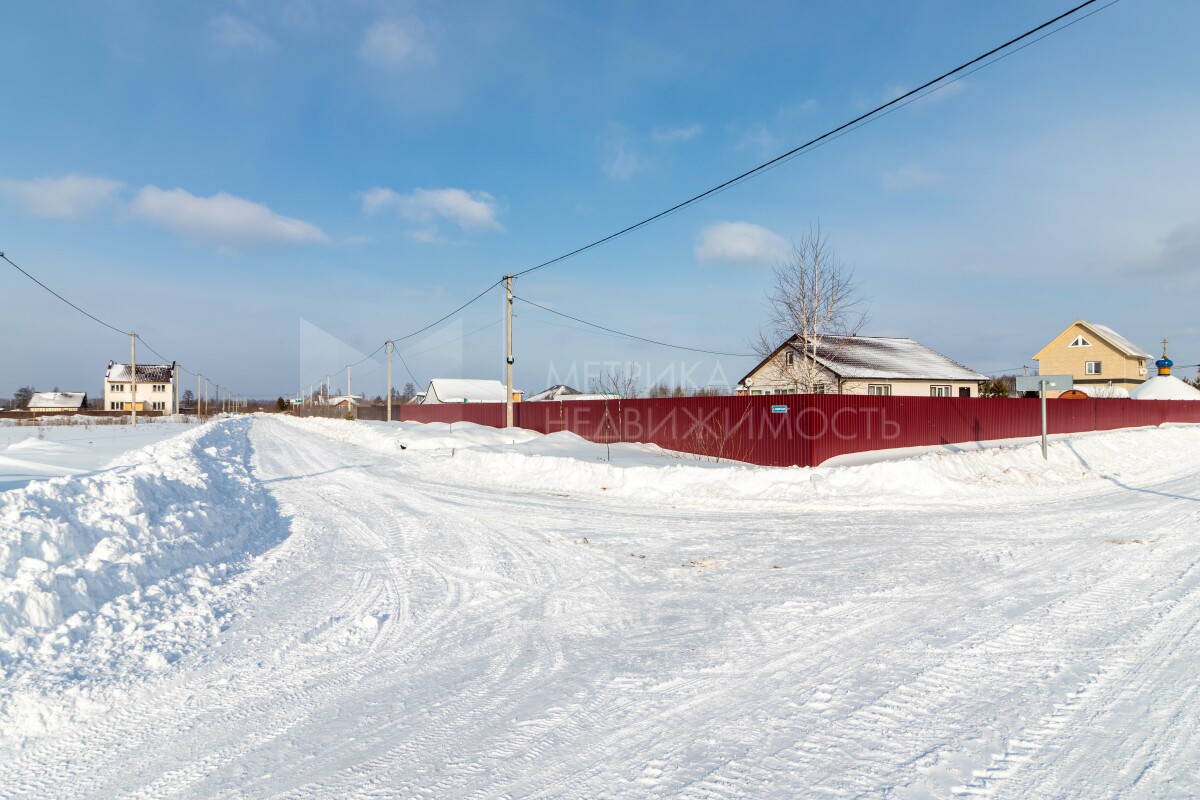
(778, 409)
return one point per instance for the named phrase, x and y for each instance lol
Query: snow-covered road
(424, 630)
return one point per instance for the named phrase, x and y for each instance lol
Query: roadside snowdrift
(563, 462)
(118, 573)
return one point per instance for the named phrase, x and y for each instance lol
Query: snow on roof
(1103, 391)
(885, 357)
(1165, 387)
(555, 392)
(461, 390)
(146, 373)
(1117, 340)
(63, 400)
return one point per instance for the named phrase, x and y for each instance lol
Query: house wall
(1117, 368)
(147, 397)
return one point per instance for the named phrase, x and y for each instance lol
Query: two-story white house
(155, 388)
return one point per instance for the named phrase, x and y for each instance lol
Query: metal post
(133, 375)
(508, 360)
(1045, 454)
(389, 382)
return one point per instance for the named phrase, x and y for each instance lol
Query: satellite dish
(749, 381)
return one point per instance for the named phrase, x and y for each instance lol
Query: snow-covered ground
(71, 446)
(314, 608)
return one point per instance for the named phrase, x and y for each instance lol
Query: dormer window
(1080, 342)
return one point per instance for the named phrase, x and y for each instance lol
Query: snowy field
(270, 607)
(72, 445)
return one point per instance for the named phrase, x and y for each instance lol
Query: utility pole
(389, 382)
(508, 361)
(199, 380)
(349, 394)
(206, 396)
(133, 375)
(175, 381)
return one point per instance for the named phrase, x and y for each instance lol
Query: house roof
(64, 400)
(1107, 334)
(460, 390)
(880, 357)
(146, 373)
(553, 393)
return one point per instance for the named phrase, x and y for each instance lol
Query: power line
(92, 317)
(900, 101)
(60, 297)
(634, 336)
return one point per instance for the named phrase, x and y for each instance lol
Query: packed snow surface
(315, 608)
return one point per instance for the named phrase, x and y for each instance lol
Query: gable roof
(64, 400)
(1107, 334)
(878, 357)
(461, 390)
(553, 393)
(146, 373)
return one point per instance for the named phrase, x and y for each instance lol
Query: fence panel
(804, 430)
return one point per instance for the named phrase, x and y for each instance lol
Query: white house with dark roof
(873, 365)
(155, 388)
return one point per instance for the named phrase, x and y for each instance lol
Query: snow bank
(118, 573)
(564, 462)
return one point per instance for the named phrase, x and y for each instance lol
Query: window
(882, 389)
(820, 388)
(118, 387)
(790, 358)
(158, 405)
(113, 405)
(1092, 367)
(1080, 342)
(939, 391)
(964, 391)
(158, 387)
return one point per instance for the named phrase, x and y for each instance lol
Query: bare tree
(22, 396)
(618, 381)
(814, 297)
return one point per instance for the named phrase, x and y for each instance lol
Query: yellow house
(1096, 356)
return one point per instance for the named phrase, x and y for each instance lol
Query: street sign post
(1041, 383)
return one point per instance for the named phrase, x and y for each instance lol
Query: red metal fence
(804, 430)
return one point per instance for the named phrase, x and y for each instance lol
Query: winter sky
(266, 191)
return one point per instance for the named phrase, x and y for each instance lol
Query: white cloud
(470, 210)
(395, 43)
(624, 159)
(68, 197)
(665, 136)
(910, 176)
(222, 220)
(236, 33)
(739, 243)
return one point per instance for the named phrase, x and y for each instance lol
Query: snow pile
(564, 462)
(117, 573)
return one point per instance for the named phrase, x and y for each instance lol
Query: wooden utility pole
(389, 382)
(133, 375)
(199, 381)
(508, 360)
(349, 394)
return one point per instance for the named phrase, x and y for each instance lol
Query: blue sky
(267, 191)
